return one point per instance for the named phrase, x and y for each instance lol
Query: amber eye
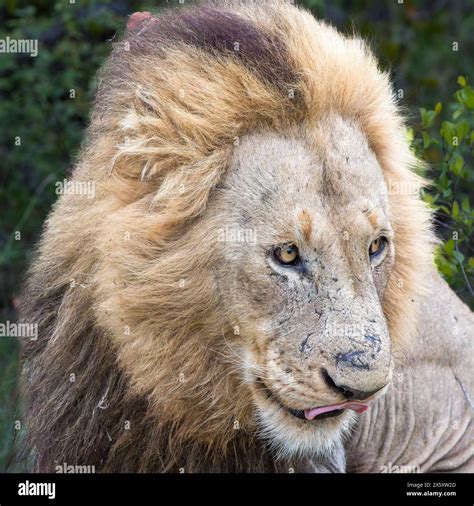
(287, 254)
(377, 246)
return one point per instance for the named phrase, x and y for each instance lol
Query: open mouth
(320, 412)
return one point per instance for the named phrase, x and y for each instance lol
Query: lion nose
(348, 392)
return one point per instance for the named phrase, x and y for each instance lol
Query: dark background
(428, 47)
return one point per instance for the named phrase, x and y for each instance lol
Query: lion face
(305, 253)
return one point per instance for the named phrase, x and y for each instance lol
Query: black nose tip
(347, 392)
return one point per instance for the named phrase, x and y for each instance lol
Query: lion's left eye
(287, 254)
(377, 246)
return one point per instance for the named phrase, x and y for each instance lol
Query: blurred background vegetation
(44, 101)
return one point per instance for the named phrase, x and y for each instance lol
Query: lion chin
(290, 438)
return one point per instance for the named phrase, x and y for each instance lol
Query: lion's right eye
(287, 254)
(377, 246)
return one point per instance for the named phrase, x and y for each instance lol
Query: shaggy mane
(121, 287)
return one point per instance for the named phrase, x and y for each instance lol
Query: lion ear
(138, 20)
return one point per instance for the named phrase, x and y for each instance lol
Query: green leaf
(449, 246)
(447, 193)
(462, 129)
(458, 256)
(470, 262)
(465, 205)
(444, 266)
(447, 131)
(455, 210)
(427, 117)
(409, 135)
(443, 181)
(426, 139)
(428, 198)
(458, 112)
(438, 108)
(462, 81)
(456, 164)
(467, 97)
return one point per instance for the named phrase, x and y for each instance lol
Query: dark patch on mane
(221, 32)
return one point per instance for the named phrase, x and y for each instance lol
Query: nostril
(341, 389)
(348, 393)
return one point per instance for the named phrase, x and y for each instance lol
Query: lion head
(255, 248)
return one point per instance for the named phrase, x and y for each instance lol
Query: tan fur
(165, 128)
(373, 219)
(306, 223)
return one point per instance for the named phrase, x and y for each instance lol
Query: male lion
(245, 281)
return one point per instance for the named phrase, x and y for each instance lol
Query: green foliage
(8, 398)
(444, 138)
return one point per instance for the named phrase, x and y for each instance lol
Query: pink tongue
(358, 407)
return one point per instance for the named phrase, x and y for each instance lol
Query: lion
(247, 276)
